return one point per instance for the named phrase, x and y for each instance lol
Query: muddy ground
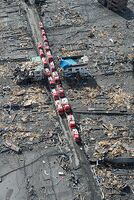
(104, 104)
(46, 168)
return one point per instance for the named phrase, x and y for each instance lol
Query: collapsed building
(115, 5)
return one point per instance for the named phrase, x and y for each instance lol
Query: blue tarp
(66, 63)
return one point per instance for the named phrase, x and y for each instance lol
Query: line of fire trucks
(61, 102)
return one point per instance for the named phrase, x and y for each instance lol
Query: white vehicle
(76, 135)
(64, 101)
(70, 118)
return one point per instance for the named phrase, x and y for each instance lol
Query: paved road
(79, 156)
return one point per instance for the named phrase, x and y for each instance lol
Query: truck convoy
(62, 105)
(115, 5)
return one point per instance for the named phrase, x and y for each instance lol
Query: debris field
(104, 105)
(38, 158)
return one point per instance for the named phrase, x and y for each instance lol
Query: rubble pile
(63, 52)
(67, 17)
(23, 110)
(86, 95)
(20, 135)
(110, 182)
(28, 96)
(110, 148)
(107, 140)
(113, 98)
(26, 72)
(64, 15)
(119, 98)
(111, 131)
(34, 96)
